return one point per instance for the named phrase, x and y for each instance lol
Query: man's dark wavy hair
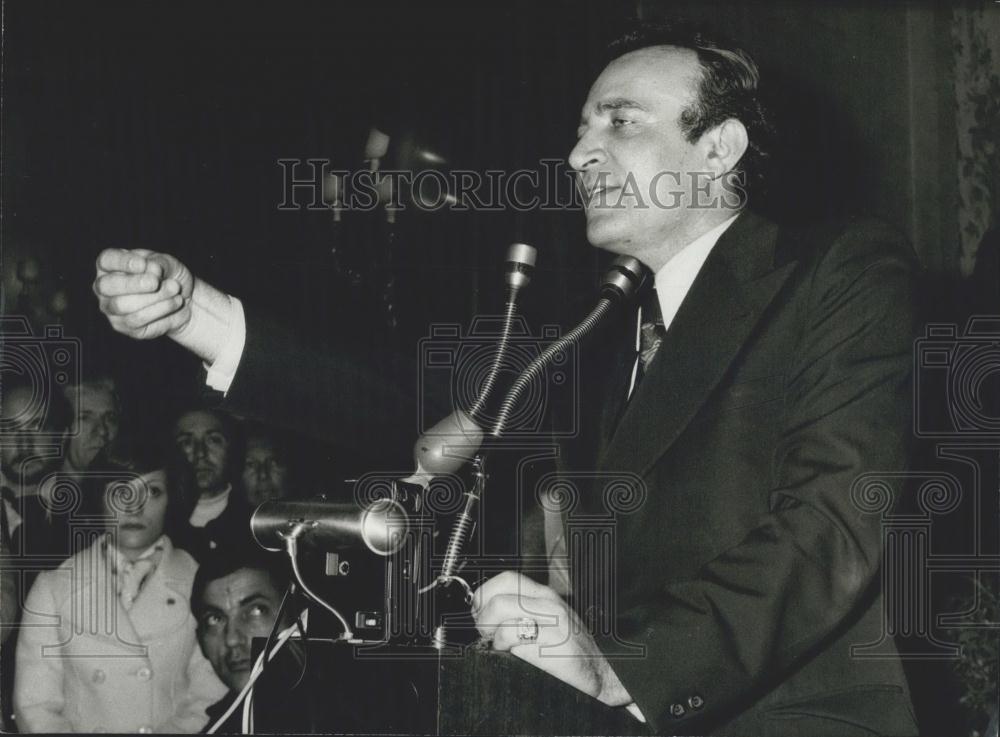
(728, 87)
(223, 561)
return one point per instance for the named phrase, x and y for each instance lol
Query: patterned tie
(651, 333)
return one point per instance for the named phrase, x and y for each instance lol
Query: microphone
(446, 447)
(620, 284)
(519, 265)
(623, 279)
(380, 527)
(452, 442)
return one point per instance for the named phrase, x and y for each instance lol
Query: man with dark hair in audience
(236, 596)
(209, 443)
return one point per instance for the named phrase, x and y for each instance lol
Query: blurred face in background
(265, 474)
(139, 508)
(95, 426)
(201, 437)
(28, 455)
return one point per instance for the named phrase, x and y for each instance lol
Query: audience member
(108, 642)
(34, 424)
(236, 597)
(95, 426)
(266, 468)
(208, 442)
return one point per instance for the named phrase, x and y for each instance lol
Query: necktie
(651, 332)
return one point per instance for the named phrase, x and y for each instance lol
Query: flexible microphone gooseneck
(621, 283)
(453, 441)
(519, 266)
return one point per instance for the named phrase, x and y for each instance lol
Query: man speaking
(768, 372)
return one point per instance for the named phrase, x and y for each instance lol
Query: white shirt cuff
(223, 370)
(633, 709)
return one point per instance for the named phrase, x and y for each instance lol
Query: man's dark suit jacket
(361, 398)
(748, 565)
(749, 569)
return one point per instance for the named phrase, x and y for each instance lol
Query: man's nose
(198, 449)
(103, 431)
(234, 633)
(588, 152)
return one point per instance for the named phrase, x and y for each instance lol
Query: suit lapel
(617, 379)
(737, 282)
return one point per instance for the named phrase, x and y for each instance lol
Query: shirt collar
(674, 279)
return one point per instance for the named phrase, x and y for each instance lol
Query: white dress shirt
(232, 339)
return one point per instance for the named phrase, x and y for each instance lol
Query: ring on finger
(527, 629)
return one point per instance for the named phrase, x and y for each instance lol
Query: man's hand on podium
(532, 622)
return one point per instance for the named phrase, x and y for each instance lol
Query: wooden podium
(347, 690)
(490, 693)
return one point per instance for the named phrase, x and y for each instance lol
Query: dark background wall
(160, 125)
(864, 96)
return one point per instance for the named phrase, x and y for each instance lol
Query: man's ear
(725, 145)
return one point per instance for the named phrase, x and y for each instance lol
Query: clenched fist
(143, 293)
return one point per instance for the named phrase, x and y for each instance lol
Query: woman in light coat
(108, 640)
